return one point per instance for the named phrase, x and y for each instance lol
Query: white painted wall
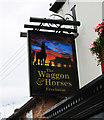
(90, 15)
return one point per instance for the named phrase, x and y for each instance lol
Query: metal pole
(58, 21)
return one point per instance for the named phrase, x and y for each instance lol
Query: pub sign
(52, 63)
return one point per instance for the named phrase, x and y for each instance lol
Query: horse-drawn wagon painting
(51, 50)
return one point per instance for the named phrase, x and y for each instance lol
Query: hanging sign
(52, 62)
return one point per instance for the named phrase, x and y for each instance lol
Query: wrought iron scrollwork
(61, 25)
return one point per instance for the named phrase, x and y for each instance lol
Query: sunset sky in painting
(56, 45)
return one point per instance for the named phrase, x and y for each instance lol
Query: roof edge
(24, 108)
(57, 5)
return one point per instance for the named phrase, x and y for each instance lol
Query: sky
(14, 73)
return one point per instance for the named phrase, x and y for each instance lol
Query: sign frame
(76, 86)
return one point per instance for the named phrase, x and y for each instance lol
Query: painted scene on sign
(51, 50)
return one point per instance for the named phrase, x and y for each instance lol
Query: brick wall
(42, 106)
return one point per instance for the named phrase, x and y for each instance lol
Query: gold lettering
(70, 84)
(55, 89)
(58, 83)
(66, 84)
(62, 76)
(41, 73)
(40, 81)
(47, 81)
(47, 75)
(53, 76)
(49, 70)
(66, 76)
(53, 83)
(57, 77)
(63, 84)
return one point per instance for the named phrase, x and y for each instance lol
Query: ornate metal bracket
(62, 25)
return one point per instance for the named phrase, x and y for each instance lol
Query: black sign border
(74, 58)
